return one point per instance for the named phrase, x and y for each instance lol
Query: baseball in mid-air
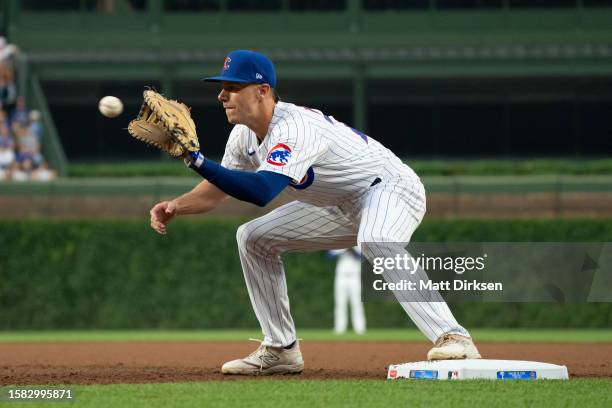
(110, 106)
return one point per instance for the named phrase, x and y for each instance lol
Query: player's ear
(263, 90)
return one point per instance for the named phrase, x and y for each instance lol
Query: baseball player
(348, 189)
(347, 289)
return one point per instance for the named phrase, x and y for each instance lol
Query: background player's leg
(391, 212)
(340, 304)
(294, 226)
(357, 313)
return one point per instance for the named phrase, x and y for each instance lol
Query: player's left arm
(258, 188)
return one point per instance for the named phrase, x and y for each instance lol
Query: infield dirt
(148, 362)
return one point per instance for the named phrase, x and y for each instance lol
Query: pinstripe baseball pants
(388, 212)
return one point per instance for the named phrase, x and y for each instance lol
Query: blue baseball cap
(247, 67)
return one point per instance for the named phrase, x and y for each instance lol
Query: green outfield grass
(492, 335)
(354, 393)
(423, 167)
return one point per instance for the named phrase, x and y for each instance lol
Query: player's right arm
(203, 198)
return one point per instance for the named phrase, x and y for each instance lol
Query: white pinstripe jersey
(326, 159)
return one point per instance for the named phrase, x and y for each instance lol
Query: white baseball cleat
(453, 347)
(267, 360)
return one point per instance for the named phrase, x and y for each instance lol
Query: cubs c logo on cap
(246, 67)
(279, 155)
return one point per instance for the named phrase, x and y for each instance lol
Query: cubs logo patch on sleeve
(279, 155)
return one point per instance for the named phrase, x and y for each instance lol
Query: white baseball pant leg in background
(347, 291)
(340, 304)
(387, 212)
(357, 313)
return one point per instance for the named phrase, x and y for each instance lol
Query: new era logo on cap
(246, 67)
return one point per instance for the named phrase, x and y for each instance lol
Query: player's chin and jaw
(231, 116)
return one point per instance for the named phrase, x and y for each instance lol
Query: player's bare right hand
(161, 214)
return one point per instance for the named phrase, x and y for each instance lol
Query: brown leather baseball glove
(165, 124)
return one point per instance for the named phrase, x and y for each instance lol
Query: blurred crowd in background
(21, 132)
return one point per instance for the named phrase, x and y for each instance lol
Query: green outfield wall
(119, 274)
(470, 78)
